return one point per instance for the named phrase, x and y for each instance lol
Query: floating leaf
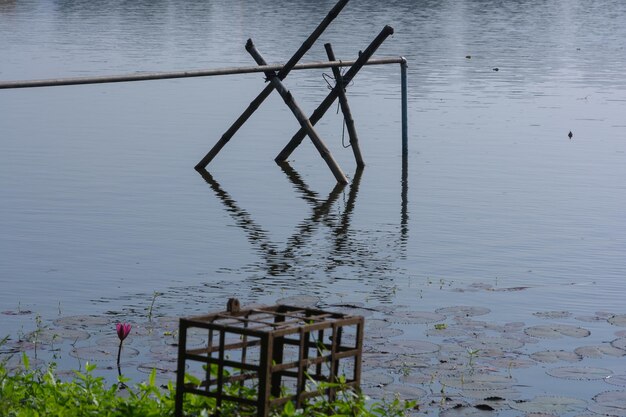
(463, 311)
(416, 317)
(51, 336)
(488, 343)
(550, 356)
(511, 363)
(619, 380)
(102, 353)
(409, 347)
(599, 351)
(554, 331)
(619, 343)
(447, 332)
(552, 314)
(494, 397)
(618, 320)
(17, 312)
(579, 373)
(465, 411)
(406, 392)
(375, 324)
(376, 378)
(545, 404)
(82, 321)
(162, 367)
(612, 403)
(383, 333)
(478, 382)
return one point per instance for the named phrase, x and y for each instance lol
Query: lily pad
(409, 347)
(478, 382)
(406, 392)
(619, 380)
(579, 373)
(465, 411)
(375, 324)
(619, 343)
(82, 321)
(463, 311)
(599, 351)
(376, 378)
(162, 367)
(546, 404)
(552, 314)
(612, 403)
(489, 343)
(551, 356)
(52, 336)
(416, 317)
(102, 353)
(618, 320)
(555, 331)
(383, 333)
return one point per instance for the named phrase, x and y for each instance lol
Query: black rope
(330, 85)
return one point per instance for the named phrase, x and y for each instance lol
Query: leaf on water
(465, 411)
(612, 403)
(490, 343)
(554, 331)
(383, 333)
(102, 353)
(409, 347)
(447, 332)
(551, 356)
(510, 363)
(494, 397)
(619, 343)
(552, 314)
(546, 404)
(484, 382)
(406, 392)
(375, 324)
(82, 321)
(416, 317)
(599, 351)
(579, 373)
(463, 311)
(16, 312)
(618, 320)
(377, 378)
(162, 367)
(619, 380)
(52, 336)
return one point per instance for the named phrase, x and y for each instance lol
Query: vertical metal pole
(405, 117)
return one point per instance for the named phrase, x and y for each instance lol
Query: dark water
(100, 205)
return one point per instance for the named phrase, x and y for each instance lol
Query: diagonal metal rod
(328, 101)
(297, 111)
(345, 109)
(268, 89)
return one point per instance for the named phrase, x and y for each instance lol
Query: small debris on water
(496, 69)
(570, 134)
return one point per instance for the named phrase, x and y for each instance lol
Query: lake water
(101, 207)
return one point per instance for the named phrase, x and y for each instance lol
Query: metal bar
(330, 98)
(148, 76)
(180, 370)
(287, 97)
(254, 105)
(345, 109)
(405, 117)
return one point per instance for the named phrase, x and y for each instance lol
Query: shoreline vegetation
(26, 392)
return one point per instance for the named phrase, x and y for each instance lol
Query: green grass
(33, 392)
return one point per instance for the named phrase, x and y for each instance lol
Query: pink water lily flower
(123, 329)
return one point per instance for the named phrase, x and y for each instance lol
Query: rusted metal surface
(267, 356)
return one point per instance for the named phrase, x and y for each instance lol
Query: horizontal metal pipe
(145, 76)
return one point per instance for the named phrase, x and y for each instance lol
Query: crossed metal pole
(275, 79)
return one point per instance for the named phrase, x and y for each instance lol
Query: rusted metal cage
(266, 356)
